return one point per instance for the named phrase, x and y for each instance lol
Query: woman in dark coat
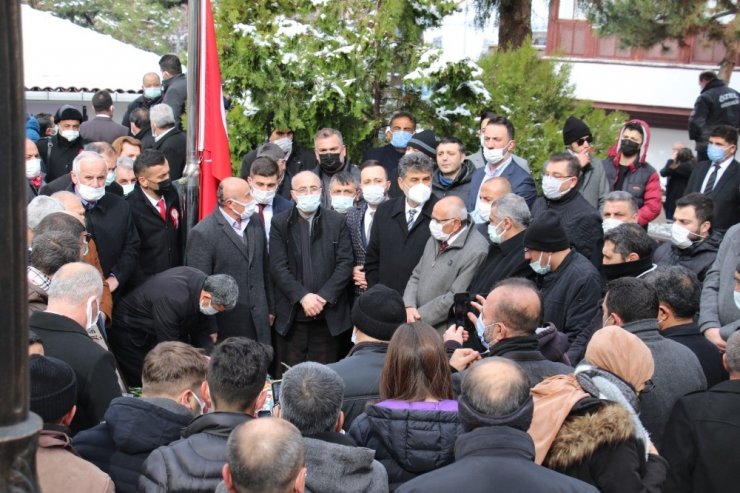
(677, 172)
(586, 425)
(414, 427)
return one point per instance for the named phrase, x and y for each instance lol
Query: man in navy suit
(263, 178)
(719, 178)
(498, 144)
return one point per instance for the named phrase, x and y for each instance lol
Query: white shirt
(721, 171)
(267, 214)
(408, 208)
(489, 173)
(452, 238)
(367, 222)
(234, 223)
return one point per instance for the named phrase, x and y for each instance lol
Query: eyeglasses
(445, 220)
(307, 190)
(583, 140)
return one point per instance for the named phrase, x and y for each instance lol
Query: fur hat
(67, 112)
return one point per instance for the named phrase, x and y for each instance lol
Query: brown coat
(61, 470)
(37, 299)
(106, 303)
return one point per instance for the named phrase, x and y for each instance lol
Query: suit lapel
(230, 233)
(726, 179)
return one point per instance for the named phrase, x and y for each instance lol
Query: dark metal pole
(18, 428)
(191, 176)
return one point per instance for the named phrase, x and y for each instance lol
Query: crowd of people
(420, 322)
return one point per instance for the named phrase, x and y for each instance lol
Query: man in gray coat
(232, 241)
(719, 316)
(632, 303)
(593, 184)
(311, 399)
(451, 257)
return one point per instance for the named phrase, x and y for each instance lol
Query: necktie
(261, 208)
(712, 179)
(162, 209)
(443, 246)
(410, 222)
(369, 225)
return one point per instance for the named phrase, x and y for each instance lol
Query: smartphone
(276, 384)
(460, 308)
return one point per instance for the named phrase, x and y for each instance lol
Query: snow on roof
(634, 83)
(89, 61)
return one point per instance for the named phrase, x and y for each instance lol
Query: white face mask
(110, 178)
(435, 227)
(263, 197)
(610, 223)
(308, 204)
(537, 266)
(354, 337)
(70, 135)
(680, 236)
(90, 194)
(208, 310)
(373, 194)
(551, 187)
(736, 295)
(286, 144)
(91, 318)
(201, 404)
(494, 156)
(128, 188)
(494, 235)
(33, 168)
(342, 203)
(419, 193)
(483, 212)
(249, 209)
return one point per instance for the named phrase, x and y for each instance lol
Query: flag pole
(191, 174)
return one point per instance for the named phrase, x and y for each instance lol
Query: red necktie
(443, 246)
(261, 208)
(162, 209)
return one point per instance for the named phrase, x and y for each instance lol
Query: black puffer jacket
(131, 430)
(459, 187)
(194, 463)
(698, 258)
(407, 442)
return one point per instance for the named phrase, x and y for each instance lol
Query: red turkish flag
(213, 142)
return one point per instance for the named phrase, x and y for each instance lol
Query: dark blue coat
(522, 184)
(133, 428)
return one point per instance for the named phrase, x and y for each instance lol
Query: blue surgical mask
(494, 235)
(152, 92)
(400, 139)
(715, 153)
(539, 268)
(308, 204)
(480, 328)
(342, 203)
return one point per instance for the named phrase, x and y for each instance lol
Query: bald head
(71, 203)
(233, 188)
(515, 306)
(494, 189)
(151, 79)
(450, 213)
(495, 387)
(305, 179)
(265, 455)
(32, 152)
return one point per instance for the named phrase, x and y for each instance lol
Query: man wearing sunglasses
(593, 184)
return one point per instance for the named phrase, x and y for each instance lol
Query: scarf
(525, 343)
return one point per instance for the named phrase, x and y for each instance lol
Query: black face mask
(627, 269)
(163, 187)
(330, 163)
(628, 147)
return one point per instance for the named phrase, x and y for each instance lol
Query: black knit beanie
(546, 234)
(574, 129)
(378, 312)
(426, 142)
(53, 387)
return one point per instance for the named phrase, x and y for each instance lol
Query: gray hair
(40, 207)
(125, 162)
(415, 162)
(500, 399)
(459, 212)
(53, 249)
(515, 208)
(732, 353)
(101, 148)
(621, 196)
(677, 287)
(75, 282)
(85, 156)
(265, 455)
(223, 289)
(311, 397)
(325, 133)
(344, 178)
(162, 116)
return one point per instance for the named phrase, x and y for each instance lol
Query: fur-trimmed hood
(581, 435)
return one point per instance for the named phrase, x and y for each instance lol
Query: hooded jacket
(641, 180)
(192, 464)
(698, 258)
(407, 442)
(336, 465)
(132, 429)
(599, 446)
(460, 185)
